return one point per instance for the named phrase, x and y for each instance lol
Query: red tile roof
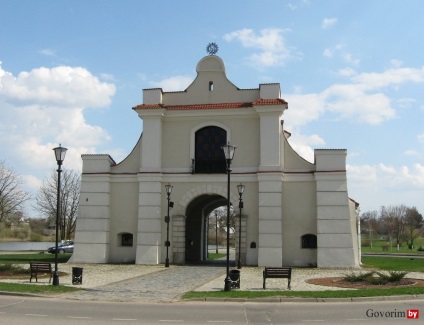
(259, 102)
(275, 101)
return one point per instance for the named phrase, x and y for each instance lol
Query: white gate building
(295, 212)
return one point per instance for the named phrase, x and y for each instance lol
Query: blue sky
(351, 71)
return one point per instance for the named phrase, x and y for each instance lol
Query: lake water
(25, 246)
(42, 246)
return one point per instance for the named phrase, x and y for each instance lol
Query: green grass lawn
(35, 288)
(303, 294)
(382, 263)
(377, 247)
(214, 256)
(8, 259)
(26, 258)
(409, 264)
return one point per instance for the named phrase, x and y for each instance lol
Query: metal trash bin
(77, 275)
(235, 278)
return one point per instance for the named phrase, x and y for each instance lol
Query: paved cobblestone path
(164, 286)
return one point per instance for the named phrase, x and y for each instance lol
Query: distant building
(295, 212)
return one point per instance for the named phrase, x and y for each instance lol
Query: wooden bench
(40, 268)
(277, 272)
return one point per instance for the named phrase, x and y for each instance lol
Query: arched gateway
(190, 226)
(295, 212)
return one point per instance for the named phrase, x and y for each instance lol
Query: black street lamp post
(60, 153)
(240, 189)
(168, 189)
(229, 154)
(216, 232)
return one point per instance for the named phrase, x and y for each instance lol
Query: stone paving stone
(164, 286)
(155, 283)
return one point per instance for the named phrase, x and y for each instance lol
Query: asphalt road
(23, 310)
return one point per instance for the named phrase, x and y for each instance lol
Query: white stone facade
(295, 212)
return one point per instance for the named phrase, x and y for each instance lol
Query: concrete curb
(312, 300)
(262, 299)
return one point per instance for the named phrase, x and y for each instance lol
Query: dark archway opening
(197, 230)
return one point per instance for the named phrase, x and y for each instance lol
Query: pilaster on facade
(93, 225)
(178, 223)
(270, 146)
(149, 230)
(151, 148)
(270, 221)
(335, 239)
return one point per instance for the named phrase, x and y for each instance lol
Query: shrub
(358, 277)
(393, 276)
(376, 278)
(4, 230)
(36, 236)
(385, 247)
(9, 268)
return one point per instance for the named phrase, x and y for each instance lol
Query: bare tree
(413, 225)
(12, 196)
(218, 224)
(371, 225)
(46, 201)
(394, 218)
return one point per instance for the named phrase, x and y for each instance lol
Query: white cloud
(303, 108)
(296, 5)
(269, 42)
(390, 77)
(396, 63)
(328, 23)
(328, 53)
(61, 86)
(377, 185)
(304, 145)
(411, 153)
(347, 72)
(107, 77)
(350, 101)
(364, 174)
(44, 107)
(175, 83)
(339, 51)
(349, 58)
(420, 138)
(32, 181)
(362, 99)
(405, 102)
(47, 52)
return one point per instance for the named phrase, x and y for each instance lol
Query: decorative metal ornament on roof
(212, 48)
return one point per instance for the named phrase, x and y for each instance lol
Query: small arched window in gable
(309, 241)
(210, 85)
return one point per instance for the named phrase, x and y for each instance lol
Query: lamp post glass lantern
(168, 189)
(60, 153)
(229, 155)
(240, 189)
